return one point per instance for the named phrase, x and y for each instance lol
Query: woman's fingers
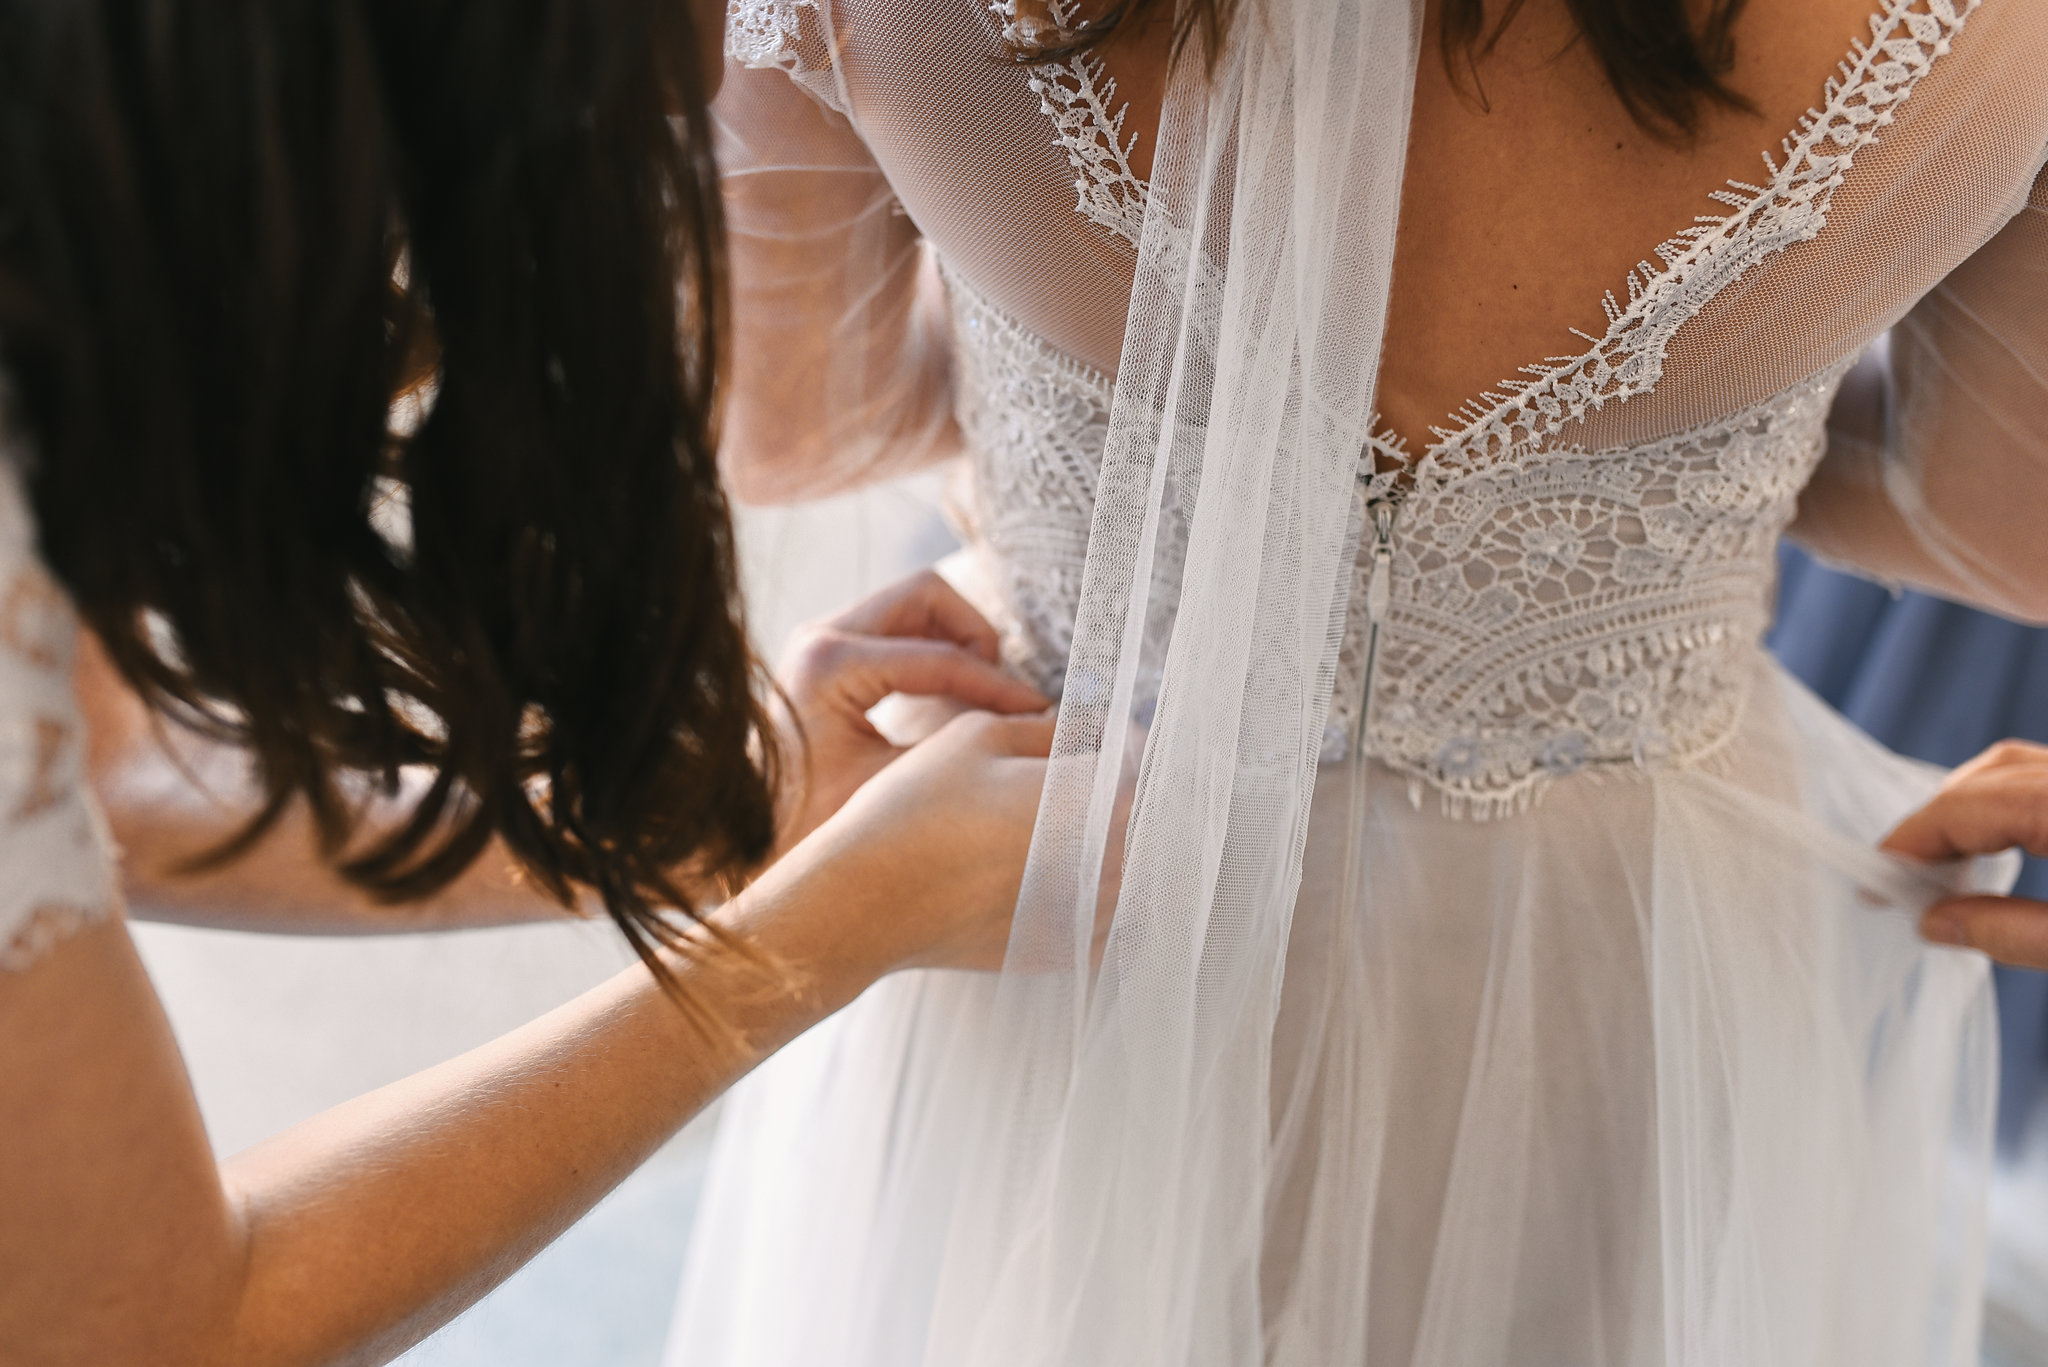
(1995, 802)
(866, 669)
(922, 605)
(2012, 930)
(1022, 737)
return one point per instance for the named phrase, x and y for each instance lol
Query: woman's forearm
(344, 1239)
(369, 1226)
(171, 797)
(282, 884)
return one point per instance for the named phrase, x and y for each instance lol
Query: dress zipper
(1383, 509)
(1379, 587)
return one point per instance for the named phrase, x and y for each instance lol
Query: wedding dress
(1584, 1025)
(1598, 1032)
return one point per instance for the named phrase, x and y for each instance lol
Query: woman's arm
(170, 796)
(841, 352)
(358, 1232)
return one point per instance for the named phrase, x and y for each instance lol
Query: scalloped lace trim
(1906, 36)
(763, 33)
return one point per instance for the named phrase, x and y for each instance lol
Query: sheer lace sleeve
(56, 864)
(1937, 465)
(790, 36)
(840, 357)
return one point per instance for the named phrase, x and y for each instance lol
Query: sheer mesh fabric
(840, 354)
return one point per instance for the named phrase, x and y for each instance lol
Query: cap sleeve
(57, 871)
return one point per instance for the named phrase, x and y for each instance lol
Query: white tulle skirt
(1657, 1072)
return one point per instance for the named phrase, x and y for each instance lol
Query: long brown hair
(231, 233)
(1667, 60)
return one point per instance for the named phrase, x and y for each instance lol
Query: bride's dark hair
(232, 233)
(1666, 59)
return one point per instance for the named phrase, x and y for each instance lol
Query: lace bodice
(1543, 615)
(1559, 595)
(56, 865)
(1547, 609)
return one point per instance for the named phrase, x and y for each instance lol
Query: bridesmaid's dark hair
(1666, 59)
(233, 235)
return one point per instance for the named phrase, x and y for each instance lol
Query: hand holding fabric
(917, 637)
(1996, 802)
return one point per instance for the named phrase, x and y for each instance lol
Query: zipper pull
(1379, 586)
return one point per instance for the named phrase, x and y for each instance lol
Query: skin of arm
(349, 1237)
(170, 796)
(356, 1233)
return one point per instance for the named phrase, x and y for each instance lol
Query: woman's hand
(1997, 801)
(920, 869)
(916, 637)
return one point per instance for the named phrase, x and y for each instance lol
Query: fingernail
(1943, 929)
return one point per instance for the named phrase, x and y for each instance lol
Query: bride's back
(1530, 196)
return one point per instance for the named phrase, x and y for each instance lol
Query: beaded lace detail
(1599, 608)
(1551, 609)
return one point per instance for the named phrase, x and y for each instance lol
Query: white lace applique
(760, 34)
(1584, 609)
(1552, 611)
(48, 926)
(1077, 94)
(1639, 578)
(1035, 422)
(56, 865)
